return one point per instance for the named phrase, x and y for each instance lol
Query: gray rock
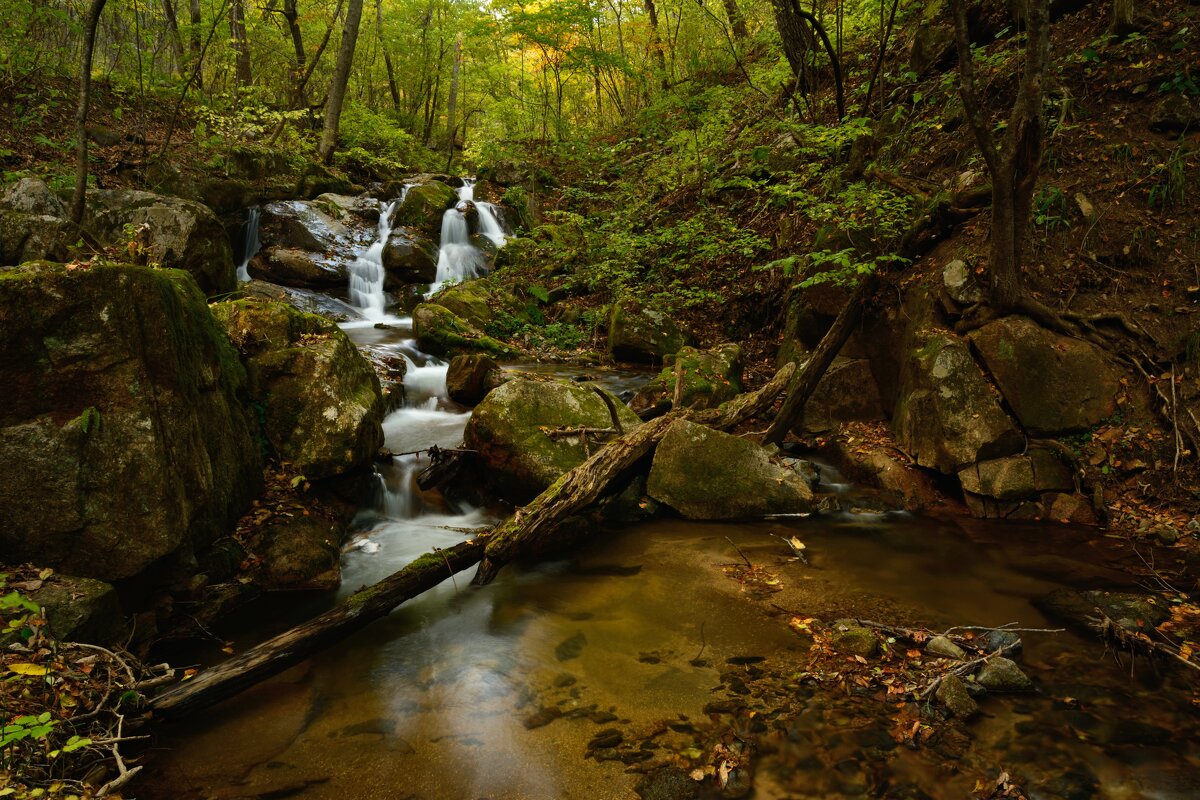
(960, 283)
(180, 234)
(32, 196)
(1003, 675)
(509, 427)
(1006, 478)
(301, 553)
(952, 693)
(126, 441)
(35, 237)
(707, 378)
(295, 267)
(302, 225)
(946, 415)
(471, 376)
(410, 258)
(81, 610)
(706, 474)
(847, 392)
(944, 648)
(637, 332)
(1054, 384)
(322, 401)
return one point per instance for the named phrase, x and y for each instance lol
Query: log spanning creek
(653, 647)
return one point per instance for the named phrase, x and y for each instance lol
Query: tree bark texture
(737, 20)
(79, 198)
(341, 78)
(241, 45)
(293, 646)
(1014, 164)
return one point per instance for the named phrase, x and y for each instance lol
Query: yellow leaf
(25, 668)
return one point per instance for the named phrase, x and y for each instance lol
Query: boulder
(349, 210)
(423, 207)
(932, 48)
(942, 647)
(299, 268)
(123, 439)
(706, 474)
(473, 301)
(32, 196)
(471, 376)
(303, 225)
(322, 405)
(1009, 478)
(305, 300)
(1132, 611)
(81, 610)
(509, 427)
(302, 553)
(35, 237)
(847, 392)
(441, 332)
(946, 415)
(707, 378)
(1175, 114)
(410, 258)
(960, 284)
(1054, 384)
(637, 332)
(1003, 675)
(180, 234)
(952, 693)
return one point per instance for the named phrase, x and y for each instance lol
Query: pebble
(942, 646)
(952, 693)
(544, 716)
(1003, 675)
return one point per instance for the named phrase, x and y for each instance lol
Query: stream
(497, 692)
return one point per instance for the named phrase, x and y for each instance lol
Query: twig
(453, 580)
(569, 433)
(125, 775)
(703, 645)
(967, 668)
(1109, 629)
(739, 552)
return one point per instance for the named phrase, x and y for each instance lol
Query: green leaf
(540, 293)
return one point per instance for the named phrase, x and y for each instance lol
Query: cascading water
(366, 271)
(491, 218)
(458, 258)
(250, 243)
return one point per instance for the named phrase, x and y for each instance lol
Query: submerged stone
(952, 693)
(1003, 675)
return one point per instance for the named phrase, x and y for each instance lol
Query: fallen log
(807, 378)
(293, 646)
(585, 483)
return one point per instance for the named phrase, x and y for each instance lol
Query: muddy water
(433, 701)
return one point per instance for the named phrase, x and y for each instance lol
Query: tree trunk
(737, 21)
(291, 647)
(586, 482)
(173, 37)
(814, 369)
(452, 101)
(292, 15)
(1015, 164)
(341, 78)
(300, 90)
(1122, 18)
(387, 57)
(797, 41)
(656, 43)
(79, 198)
(241, 45)
(195, 21)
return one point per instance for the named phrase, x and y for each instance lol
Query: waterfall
(458, 259)
(250, 244)
(491, 217)
(366, 271)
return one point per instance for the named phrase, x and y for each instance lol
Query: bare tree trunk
(79, 198)
(737, 20)
(241, 45)
(173, 37)
(1122, 18)
(656, 43)
(195, 21)
(387, 56)
(300, 90)
(1014, 164)
(452, 102)
(341, 78)
(797, 40)
(291, 15)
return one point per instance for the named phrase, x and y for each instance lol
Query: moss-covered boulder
(1054, 384)
(947, 416)
(322, 405)
(477, 301)
(123, 438)
(301, 553)
(303, 225)
(441, 332)
(35, 237)
(847, 392)
(509, 430)
(409, 257)
(81, 609)
(32, 196)
(179, 234)
(706, 474)
(423, 207)
(641, 333)
(707, 378)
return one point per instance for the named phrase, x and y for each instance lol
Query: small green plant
(26, 727)
(1050, 208)
(1171, 187)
